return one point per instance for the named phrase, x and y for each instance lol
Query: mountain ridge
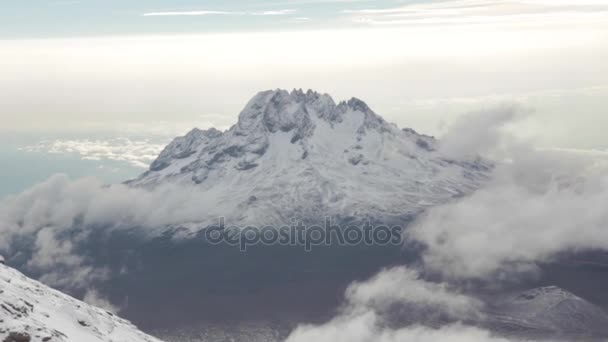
(300, 154)
(549, 311)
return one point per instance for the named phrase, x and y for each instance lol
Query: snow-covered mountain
(31, 311)
(301, 155)
(550, 311)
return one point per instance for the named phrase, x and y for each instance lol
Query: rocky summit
(301, 154)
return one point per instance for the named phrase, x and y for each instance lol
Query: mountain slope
(551, 311)
(31, 311)
(302, 155)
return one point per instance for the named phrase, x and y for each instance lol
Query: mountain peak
(280, 110)
(299, 153)
(553, 293)
(552, 309)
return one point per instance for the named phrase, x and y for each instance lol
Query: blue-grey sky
(149, 70)
(73, 18)
(53, 18)
(90, 65)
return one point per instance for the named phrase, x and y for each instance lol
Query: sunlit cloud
(185, 13)
(139, 153)
(177, 77)
(276, 12)
(461, 12)
(566, 2)
(538, 203)
(206, 13)
(67, 2)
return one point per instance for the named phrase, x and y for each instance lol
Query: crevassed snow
(29, 309)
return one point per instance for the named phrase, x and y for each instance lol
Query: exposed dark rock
(18, 337)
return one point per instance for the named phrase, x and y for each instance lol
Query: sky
(81, 76)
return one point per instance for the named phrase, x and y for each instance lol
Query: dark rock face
(184, 147)
(18, 337)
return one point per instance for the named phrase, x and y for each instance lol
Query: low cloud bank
(364, 317)
(405, 286)
(539, 203)
(54, 217)
(139, 153)
(367, 328)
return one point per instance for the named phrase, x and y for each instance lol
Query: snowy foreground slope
(300, 154)
(31, 311)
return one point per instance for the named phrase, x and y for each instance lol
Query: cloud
(464, 12)
(87, 202)
(93, 297)
(54, 219)
(151, 76)
(538, 204)
(405, 286)
(66, 2)
(484, 132)
(367, 328)
(58, 262)
(275, 12)
(50, 251)
(207, 12)
(313, 2)
(364, 319)
(186, 13)
(589, 152)
(139, 153)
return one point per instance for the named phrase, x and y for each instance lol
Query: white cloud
(138, 153)
(405, 286)
(590, 152)
(66, 2)
(366, 327)
(207, 12)
(566, 2)
(539, 203)
(185, 13)
(484, 133)
(55, 216)
(275, 12)
(493, 12)
(175, 78)
(57, 261)
(93, 297)
(363, 320)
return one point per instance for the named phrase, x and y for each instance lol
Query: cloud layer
(208, 12)
(492, 12)
(539, 203)
(364, 320)
(138, 153)
(55, 217)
